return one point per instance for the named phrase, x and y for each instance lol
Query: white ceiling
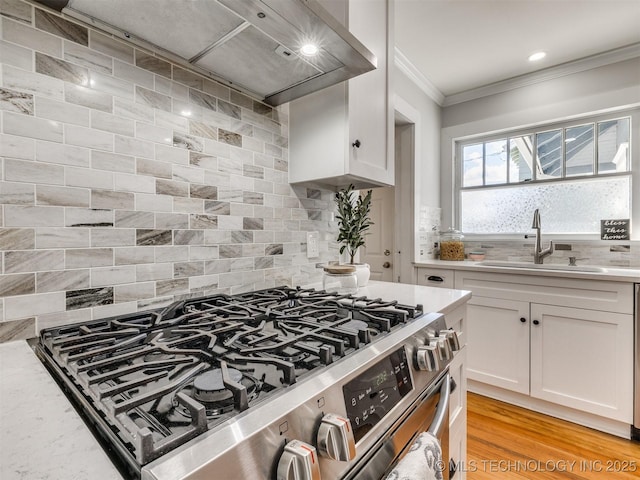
(460, 45)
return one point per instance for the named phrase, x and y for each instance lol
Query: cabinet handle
(523, 320)
(434, 278)
(536, 322)
(356, 144)
(453, 468)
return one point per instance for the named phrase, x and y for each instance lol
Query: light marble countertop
(614, 274)
(433, 299)
(42, 436)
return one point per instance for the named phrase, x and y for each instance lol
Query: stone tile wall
(128, 182)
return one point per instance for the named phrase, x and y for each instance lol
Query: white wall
(608, 88)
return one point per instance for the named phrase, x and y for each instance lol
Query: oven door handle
(443, 408)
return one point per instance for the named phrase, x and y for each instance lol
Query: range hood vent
(251, 45)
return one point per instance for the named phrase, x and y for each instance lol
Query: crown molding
(417, 77)
(551, 73)
(569, 68)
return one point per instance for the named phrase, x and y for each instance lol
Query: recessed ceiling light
(537, 56)
(309, 49)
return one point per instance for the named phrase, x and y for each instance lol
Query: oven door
(429, 413)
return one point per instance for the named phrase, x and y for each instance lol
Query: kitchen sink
(567, 268)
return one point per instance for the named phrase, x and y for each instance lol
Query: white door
(378, 249)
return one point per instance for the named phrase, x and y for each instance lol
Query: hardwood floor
(508, 442)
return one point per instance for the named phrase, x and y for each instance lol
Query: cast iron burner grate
(151, 381)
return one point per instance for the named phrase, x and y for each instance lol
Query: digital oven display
(372, 394)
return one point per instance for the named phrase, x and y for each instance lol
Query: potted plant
(353, 223)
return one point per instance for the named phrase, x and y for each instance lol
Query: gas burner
(362, 328)
(294, 358)
(208, 389)
(156, 357)
(355, 325)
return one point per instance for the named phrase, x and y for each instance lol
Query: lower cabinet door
(498, 343)
(582, 359)
(458, 416)
(458, 399)
(458, 449)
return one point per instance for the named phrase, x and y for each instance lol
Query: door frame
(407, 170)
(406, 191)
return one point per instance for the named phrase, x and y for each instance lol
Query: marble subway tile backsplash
(128, 182)
(605, 254)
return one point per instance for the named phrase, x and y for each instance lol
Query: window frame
(633, 165)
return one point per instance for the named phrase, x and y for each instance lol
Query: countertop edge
(614, 274)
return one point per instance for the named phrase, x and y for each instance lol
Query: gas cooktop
(150, 381)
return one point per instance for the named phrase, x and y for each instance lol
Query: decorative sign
(614, 229)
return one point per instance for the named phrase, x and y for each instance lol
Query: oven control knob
(299, 461)
(452, 338)
(335, 438)
(444, 346)
(428, 357)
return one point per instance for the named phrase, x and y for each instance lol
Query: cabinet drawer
(435, 277)
(569, 292)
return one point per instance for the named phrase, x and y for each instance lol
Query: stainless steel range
(277, 384)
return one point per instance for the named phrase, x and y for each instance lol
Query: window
(576, 173)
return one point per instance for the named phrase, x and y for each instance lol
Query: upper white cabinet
(344, 134)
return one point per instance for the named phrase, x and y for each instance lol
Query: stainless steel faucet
(539, 253)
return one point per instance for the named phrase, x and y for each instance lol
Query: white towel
(423, 461)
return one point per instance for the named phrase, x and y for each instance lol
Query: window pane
(495, 165)
(613, 146)
(579, 150)
(565, 207)
(472, 169)
(549, 154)
(520, 158)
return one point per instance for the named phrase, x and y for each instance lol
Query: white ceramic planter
(363, 272)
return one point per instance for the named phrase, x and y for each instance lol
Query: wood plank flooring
(508, 442)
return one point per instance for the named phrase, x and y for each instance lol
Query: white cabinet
(498, 332)
(583, 359)
(565, 341)
(458, 415)
(457, 320)
(344, 134)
